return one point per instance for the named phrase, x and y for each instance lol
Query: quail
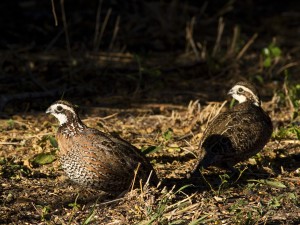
(96, 159)
(237, 134)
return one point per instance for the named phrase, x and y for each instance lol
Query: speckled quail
(96, 159)
(237, 134)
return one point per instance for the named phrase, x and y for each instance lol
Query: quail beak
(49, 110)
(231, 92)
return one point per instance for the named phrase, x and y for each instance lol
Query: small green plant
(224, 183)
(91, 215)
(271, 54)
(294, 93)
(242, 214)
(43, 211)
(287, 132)
(238, 206)
(43, 159)
(75, 207)
(293, 90)
(166, 137)
(290, 95)
(293, 197)
(269, 182)
(250, 219)
(11, 123)
(53, 141)
(232, 102)
(275, 202)
(9, 168)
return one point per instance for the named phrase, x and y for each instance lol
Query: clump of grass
(290, 95)
(10, 168)
(166, 137)
(153, 206)
(288, 132)
(271, 55)
(43, 212)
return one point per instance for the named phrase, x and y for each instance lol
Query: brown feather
(99, 160)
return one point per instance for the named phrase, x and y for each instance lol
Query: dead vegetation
(155, 79)
(265, 193)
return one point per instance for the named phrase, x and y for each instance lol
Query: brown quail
(237, 134)
(95, 159)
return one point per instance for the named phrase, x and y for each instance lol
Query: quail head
(95, 159)
(237, 134)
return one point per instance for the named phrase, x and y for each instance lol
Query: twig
(289, 65)
(247, 45)
(221, 26)
(135, 176)
(221, 107)
(189, 30)
(288, 97)
(100, 118)
(97, 26)
(202, 47)
(54, 13)
(63, 14)
(149, 177)
(189, 151)
(102, 29)
(52, 42)
(210, 118)
(290, 141)
(231, 49)
(9, 143)
(116, 29)
(111, 201)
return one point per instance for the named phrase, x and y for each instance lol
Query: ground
(157, 83)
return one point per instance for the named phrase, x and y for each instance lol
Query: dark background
(149, 60)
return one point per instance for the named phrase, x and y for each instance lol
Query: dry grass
(266, 192)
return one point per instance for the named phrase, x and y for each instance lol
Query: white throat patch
(62, 118)
(239, 98)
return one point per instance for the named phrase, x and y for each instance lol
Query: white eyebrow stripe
(64, 106)
(245, 88)
(248, 90)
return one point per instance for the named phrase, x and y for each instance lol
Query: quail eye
(240, 90)
(59, 108)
